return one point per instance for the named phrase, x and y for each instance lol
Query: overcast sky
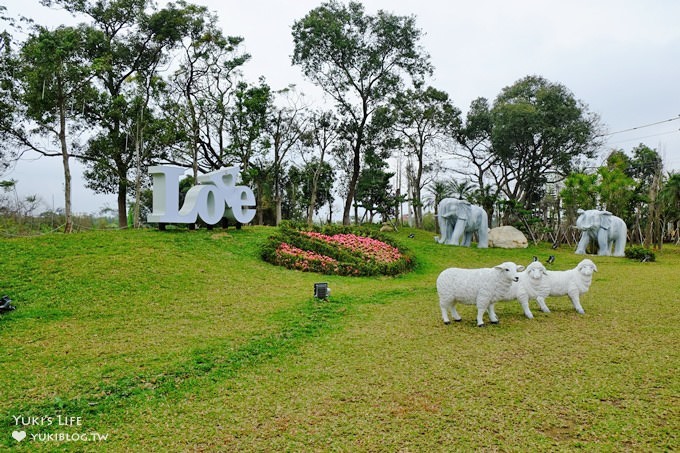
(620, 57)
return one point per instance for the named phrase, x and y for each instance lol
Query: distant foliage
(640, 253)
(336, 250)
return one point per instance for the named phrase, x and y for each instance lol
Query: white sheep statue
(572, 283)
(532, 284)
(481, 287)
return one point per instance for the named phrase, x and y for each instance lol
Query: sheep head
(536, 270)
(509, 270)
(586, 267)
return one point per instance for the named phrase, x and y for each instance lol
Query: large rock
(507, 237)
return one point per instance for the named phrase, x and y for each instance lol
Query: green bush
(639, 253)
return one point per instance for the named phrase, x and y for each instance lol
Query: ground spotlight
(321, 290)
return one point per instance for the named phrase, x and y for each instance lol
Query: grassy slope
(185, 340)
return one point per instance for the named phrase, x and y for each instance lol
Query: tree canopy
(136, 84)
(360, 61)
(539, 129)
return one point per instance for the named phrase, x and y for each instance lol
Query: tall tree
(615, 189)
(308, 189)
(669, 198)
(248, 122)
(359, 61)
(285, 127)
(617, 192)
(322, 135)
(579, 192)
(8, 118)
(55, 88)
(129, 39)
(202, 90)
(424, 118)
(646, 168)
(476, 152)
(249, 142)
(539, 131)
(374, 190)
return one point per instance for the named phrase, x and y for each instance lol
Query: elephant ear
(606, 219)
(464, 208)
(447, 207)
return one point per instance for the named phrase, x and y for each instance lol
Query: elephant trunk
(483, 231)
(582, 224)
(458, 231)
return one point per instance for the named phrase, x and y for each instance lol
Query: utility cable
(640, 127)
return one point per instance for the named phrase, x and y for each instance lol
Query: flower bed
(336, 250)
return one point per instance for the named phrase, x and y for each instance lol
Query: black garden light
(321, 290)
(6, 304)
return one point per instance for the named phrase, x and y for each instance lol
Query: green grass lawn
(187, 341)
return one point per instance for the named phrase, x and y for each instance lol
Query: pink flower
(369, 248)
(303, 257)
(370, 255)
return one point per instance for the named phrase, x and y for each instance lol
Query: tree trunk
(68, 226)
(350, 195)
(278, 209)
(417, 203)
(356, 168)
(310, 208)
(652, 213)
(138, 179)
(122, 205)
(259, 205)
(277, 187)
(312, 199)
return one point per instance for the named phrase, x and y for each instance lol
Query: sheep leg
(445, 313)
(481, 308)
(492, 314)
(574, 296)
(524, 302)
(542, 305)
(480, 317)
(445, 307)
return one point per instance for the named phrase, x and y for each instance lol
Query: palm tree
(580, 191)
(462, 189)
(436, 192)
(669, 198)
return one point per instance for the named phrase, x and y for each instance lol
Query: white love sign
(215, 196)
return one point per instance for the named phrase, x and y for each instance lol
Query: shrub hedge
(639, 253)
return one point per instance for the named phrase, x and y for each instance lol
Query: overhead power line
(674, 131)
(641, 127)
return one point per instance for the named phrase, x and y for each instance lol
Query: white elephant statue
(459, 219)
(605, 229)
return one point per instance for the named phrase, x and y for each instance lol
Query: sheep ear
(520, 268)
(594, 267)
